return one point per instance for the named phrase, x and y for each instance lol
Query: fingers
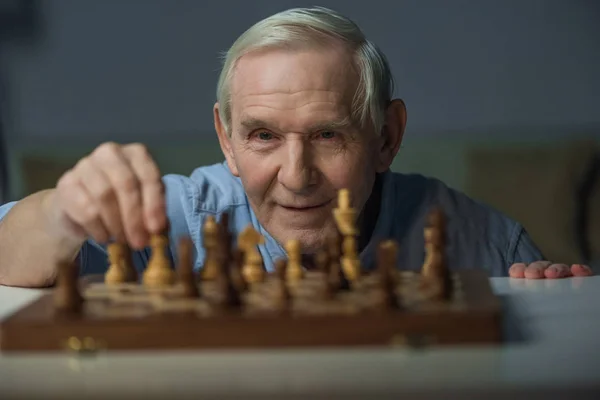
(153, 198)
(536, 269)
(581, 270)
(126, 188)
(556, 271)
(115, 193)
(99, 188)
(83, 210)
(548, 270)
(517, 270)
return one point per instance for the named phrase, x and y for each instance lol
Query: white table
(556, 353)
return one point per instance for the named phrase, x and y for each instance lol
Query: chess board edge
(37, 327)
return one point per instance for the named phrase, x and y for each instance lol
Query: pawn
(211, 239)
(237, 278)
(67, 297)
(186, 269)
(121, 269)
(335, 269)
(386, 263)
(293, 270)
(282, 293)
(159, 272)
(229, 295)
(322, 261)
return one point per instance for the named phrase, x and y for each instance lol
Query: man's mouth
(304, 207)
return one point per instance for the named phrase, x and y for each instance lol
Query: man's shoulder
(462, 208)
(211, 189)
(478, 233)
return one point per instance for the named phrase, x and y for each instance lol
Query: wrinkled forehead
(295, 77)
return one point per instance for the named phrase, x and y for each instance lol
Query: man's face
(293, 143)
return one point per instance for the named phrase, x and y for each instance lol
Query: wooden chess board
(130, 316)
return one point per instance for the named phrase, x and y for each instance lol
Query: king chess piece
(345, 218)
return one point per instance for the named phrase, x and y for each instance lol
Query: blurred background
(503, 96)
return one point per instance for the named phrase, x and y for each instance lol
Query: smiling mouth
(305, 208)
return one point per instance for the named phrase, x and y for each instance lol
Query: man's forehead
(303, 74)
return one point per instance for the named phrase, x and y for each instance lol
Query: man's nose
(297, 173)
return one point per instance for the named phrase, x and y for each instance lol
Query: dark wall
(136, 69)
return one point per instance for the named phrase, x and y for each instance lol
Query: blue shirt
(477, 235)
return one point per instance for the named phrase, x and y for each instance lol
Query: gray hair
(310, 26)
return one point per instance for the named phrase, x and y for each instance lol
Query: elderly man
(303, 109)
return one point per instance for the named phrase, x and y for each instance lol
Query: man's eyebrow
(252, 123)
(333, 125)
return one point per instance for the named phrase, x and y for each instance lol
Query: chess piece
(334, 275)
(435, 274)
(186, 269)
(121, 268)
(253, 269)
(294, 271)
(387, 253)
(211, 237)
(67, 297)
(236, 270)
(159, 272)
(322, 260)
(345, 217)
(226, 237)
(282, 293)
(229, 295)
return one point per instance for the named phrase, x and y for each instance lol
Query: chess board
(232, 302)
(130, 316)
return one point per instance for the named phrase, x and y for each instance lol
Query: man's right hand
(114, 193)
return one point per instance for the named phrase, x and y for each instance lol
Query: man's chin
(311, 240)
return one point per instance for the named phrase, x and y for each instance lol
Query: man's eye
(327, 135)
(265, 136)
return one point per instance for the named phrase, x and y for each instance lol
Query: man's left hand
(547, 269)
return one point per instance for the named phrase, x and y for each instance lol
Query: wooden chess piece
(253, 269)
(159, 272)
(211, 233)
(226, 237)
(334, 276)
(282, 293)
(322, 260)
(294, 270)
(121, 268)
(387, 253)
(229, 295)
(345, 217)
(237, 263)
(434, 272)
(185, 268)
(67, 297)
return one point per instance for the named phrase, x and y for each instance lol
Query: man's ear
(391, 134)
(224, 141)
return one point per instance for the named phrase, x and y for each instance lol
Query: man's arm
(115, 193)
(30, 243)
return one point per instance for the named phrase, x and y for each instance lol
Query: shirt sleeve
(180, 198)
(522, 248)
(5, 208)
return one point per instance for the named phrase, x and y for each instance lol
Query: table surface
(552, 329)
